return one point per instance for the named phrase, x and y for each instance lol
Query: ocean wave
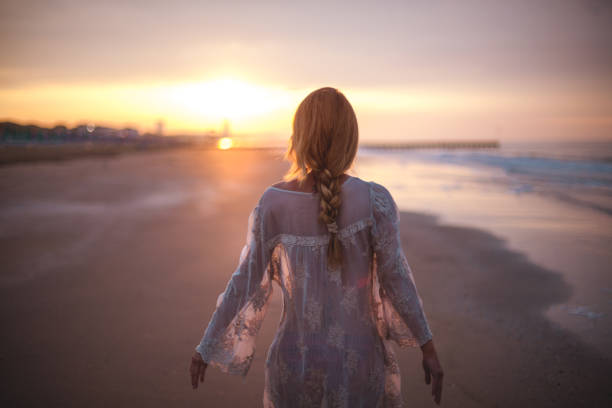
(579, 174)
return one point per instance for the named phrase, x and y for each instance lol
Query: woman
(331, 242)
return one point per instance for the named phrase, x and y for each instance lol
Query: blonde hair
(324, 143)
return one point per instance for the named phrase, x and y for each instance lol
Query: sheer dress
(333, 343)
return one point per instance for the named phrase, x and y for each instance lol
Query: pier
(451, 144)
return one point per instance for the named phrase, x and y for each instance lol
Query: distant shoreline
(33, 153)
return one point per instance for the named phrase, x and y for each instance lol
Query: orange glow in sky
(198, 106)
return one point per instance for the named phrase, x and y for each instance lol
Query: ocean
(576, 172)
(551, 201)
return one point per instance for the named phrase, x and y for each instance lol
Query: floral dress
(333, 344)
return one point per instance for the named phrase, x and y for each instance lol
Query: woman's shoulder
(382, 201)
(372, 188)
(352, 184)
(378, 197)
(279, 195)
(285, 185)
(378, 190)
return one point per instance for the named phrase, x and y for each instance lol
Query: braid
(329, 189)
(323, 145)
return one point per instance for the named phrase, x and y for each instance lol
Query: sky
(413, 70)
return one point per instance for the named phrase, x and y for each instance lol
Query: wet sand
(112, 266)
(32, 153)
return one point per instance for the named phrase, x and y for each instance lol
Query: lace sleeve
(405, 320)
(229, 340)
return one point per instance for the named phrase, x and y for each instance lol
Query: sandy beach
(111, 267)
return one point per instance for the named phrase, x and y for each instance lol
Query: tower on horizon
(159, 126)
(226, 128)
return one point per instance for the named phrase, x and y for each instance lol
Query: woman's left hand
(197, 370)
(433, 370)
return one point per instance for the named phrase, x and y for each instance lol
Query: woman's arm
(404, 309)
(229, 340)
(399, 287)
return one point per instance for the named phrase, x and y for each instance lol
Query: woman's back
(336, 322)
(327, 332)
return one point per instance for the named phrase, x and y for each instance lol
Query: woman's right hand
(432, 369)
(197, 370)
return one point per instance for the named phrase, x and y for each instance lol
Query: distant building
(128, 133)
(13, 133)
(159, 126)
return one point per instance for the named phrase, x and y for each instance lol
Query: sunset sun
(227, 98)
